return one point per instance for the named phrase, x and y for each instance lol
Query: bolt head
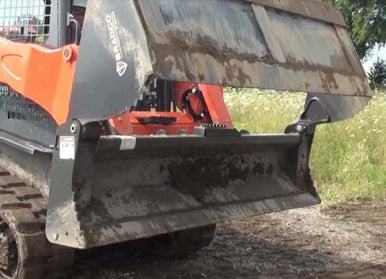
(300, 128)
(55, 236)
(74, 128)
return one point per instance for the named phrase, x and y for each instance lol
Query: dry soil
(345, 241)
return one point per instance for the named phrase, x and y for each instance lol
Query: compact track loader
(113, 126)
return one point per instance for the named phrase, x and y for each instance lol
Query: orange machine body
(42, 75)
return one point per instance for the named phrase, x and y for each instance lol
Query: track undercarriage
(25, 251)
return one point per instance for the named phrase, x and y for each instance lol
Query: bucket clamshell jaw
(300, 46)
(110, 189)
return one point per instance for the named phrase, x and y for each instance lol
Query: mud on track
(347, 241)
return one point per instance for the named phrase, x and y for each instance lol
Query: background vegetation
(366, 22)
(348, 159)
(377, 75)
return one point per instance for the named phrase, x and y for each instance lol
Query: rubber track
(24, 209)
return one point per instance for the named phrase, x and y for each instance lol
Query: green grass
(348, 159)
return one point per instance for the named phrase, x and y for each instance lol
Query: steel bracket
(314, 113)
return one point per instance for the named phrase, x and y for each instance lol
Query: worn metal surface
(306, 8)
(283, 45)
(126, 188)
(241, 44)
(114, 64)
(340, 107)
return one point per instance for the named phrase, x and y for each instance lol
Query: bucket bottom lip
(98, 234)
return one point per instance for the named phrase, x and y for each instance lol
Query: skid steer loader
(113, 125)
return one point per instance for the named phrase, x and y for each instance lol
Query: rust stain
(178, 48)
(199, 54)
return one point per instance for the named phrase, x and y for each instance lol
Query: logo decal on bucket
(121, 68)
(115, 44)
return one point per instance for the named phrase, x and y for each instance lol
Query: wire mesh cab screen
(24, 20)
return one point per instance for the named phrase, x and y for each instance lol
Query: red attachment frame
(130, 122)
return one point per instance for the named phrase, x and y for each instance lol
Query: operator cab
(39, 23)
(25, 23)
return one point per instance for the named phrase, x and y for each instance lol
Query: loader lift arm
(28, 68)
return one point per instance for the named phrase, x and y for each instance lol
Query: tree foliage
(366, 21)
(377, 75)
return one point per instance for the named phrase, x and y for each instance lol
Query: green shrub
(348, 160)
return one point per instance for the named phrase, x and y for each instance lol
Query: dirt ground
(346, 241)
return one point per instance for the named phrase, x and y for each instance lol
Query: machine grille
(18, 107)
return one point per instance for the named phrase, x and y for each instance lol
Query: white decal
(121, 68)
(67, 148)
(112, 25)
(127, 142)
